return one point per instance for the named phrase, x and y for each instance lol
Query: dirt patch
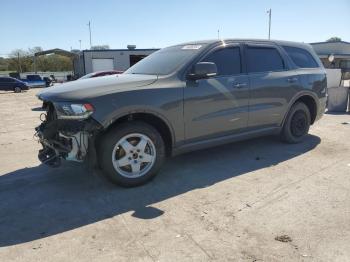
(283, 238)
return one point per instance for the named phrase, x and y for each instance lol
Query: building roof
(120, 50)
(327, 42)
(335, 48)
(56, 51)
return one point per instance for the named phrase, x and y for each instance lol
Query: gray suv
(183, 98)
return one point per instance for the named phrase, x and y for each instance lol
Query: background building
(88, 61)
(340, 50)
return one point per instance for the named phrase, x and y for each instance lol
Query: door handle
(239, 85)
(292, 80)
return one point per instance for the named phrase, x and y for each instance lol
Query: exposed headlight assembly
(73, 111)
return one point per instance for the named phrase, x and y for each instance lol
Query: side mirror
(203, 70)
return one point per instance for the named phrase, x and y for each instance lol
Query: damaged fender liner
(67, 139)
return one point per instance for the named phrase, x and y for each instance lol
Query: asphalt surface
(258, 200)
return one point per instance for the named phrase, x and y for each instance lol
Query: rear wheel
(297, 124)
(17, 89)
(131, 154)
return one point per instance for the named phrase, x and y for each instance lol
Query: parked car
(12, 84)
(34, 81)
(101, 73)
(183, 98)
(48, 81)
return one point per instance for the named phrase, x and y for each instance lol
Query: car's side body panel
(163, 100)
(206, 112)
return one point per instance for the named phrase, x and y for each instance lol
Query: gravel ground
(259, 200)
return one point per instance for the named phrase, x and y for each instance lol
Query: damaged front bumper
(65, 139)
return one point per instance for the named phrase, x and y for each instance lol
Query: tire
(17, 89)
(121, 153)
(297, 124)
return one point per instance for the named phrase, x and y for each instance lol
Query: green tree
(23, 61)
(334, 39)
(4, 65)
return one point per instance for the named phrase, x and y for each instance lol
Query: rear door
(272, 84)
(218, 105)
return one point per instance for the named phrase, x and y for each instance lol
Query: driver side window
(227, 60)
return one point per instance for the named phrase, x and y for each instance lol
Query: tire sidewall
(113, 136)
(287, 134)
(17, 89)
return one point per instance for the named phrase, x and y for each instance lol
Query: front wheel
(17, 89)
(297, 124)
(131, 154)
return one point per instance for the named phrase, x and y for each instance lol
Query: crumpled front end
(63, 138)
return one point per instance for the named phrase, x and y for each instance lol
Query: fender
(296, 97)
(123, 112)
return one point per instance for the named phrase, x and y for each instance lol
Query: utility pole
(89, 24)
(19, 63)
(269, 12)
(80, 45)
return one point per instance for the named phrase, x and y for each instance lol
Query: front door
(218, 105)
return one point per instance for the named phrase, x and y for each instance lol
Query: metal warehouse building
(88, 61)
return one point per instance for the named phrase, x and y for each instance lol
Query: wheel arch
(156, 120)
(310, 100)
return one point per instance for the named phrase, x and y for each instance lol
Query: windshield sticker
(191, 47)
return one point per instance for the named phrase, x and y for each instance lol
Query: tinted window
(227, 60)
(5, 79)
(301, 57)
(166, 61)
(264, 59)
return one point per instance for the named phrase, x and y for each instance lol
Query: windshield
(87, 76)
(165, 61)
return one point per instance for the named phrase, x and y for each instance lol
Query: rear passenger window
(227, 60)
(264, 59)
(301, 57)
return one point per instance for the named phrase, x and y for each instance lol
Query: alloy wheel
(134, 155)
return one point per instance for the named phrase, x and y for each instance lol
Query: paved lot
(229, 203)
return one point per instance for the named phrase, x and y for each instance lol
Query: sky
(160, 23)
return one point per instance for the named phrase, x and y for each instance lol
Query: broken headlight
(66, 110)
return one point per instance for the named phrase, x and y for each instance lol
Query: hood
(94, 87)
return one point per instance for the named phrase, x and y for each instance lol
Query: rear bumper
(321, 108)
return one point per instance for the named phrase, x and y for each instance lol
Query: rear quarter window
(301, 57)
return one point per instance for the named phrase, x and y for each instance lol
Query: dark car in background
(101, 73)
(12, 84)
(180, 99)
